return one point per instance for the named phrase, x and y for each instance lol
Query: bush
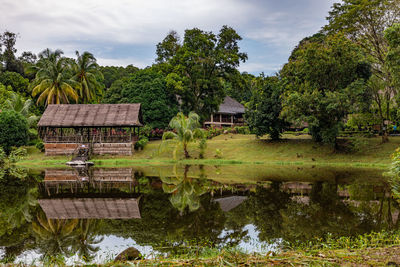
(32, 134)
(218, 153)
(13, 130)
(39, 145)
(141, 143)
(242, 129)
(202, 147)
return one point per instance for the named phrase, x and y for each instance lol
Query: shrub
(202, 147)
(13, 130)
(39, 145)
(141, 143)
(242, 129)
(218, 153)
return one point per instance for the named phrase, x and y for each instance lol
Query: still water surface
(94, 214)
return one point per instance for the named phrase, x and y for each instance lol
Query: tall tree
(88, 75)
(53, 83)
(148, 88)
(198, 66)
(264, 108)
(325, 80)
(364, 22)
(8, 40)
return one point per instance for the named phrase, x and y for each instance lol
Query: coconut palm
(53, 83)
(186, 130)
(87, 74)
(86, 239)
(185, 191)
(54, 236)
(21, 105)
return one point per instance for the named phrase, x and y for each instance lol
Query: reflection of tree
(185, 192)
(327, 213)
(85, 239)
(266, 206)
(17, 203)
(54, 236)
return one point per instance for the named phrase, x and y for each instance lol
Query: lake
(93, 214)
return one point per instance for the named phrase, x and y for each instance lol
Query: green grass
(246, 149)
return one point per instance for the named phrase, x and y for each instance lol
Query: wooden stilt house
(105, 128)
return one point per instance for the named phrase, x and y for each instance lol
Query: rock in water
(129, 254)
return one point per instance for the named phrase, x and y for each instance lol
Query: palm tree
(87, 74)
(22, 106)
(185, 191)
(86, 239)
(54, 236)
(53, 81)
(186, 130)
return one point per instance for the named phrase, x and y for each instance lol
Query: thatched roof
(90, 208)
(91, 115)
(231, 106)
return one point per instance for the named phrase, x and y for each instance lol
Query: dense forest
(343, 77)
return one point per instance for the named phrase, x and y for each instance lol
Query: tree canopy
(148, 88)
(197, 66)
(324, 79)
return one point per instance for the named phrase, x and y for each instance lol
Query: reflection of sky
(112, 245)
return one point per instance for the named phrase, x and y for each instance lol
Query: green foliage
(264, 108)
(5, 94)
(392, 36)
(18, 83)
(242, 129)
(22, 106)
(218, 153)
(53, 83)
(13, 130)
(87, 73)
(197, 66)
(40, 146)
(325, 80)
(202, 147)
(365, 22)
(112, 73)
(148, 88)
(141, 143)
(186, 130)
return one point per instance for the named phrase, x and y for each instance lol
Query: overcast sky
(123, 32)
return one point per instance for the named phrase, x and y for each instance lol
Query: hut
(105, 128)
(230, 113)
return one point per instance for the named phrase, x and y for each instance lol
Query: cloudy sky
(123, 32)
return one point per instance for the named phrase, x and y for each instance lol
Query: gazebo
(105, 128)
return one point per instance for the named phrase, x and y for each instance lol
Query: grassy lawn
(246, 149)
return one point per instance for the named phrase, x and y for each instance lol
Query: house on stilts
(105, 128)
(230, 113)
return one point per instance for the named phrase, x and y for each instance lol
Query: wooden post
(220, 117)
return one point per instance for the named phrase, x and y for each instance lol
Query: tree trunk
(385, 137)
(186, 151)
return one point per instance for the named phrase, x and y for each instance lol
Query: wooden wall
(53, 149)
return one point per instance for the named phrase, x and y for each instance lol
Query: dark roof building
(230, 113)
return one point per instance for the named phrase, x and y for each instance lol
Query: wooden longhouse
(105, 128)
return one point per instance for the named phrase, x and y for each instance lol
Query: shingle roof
(90, 208)
(91, 115)
(229, 203)
(231, 106)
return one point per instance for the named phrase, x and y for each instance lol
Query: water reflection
(75, 212)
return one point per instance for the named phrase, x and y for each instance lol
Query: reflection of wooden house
(90, 208)
(230, 114)
(106, 128)
(231, 202)
(75, 180)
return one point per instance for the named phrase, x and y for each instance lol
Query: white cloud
(104, 26)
